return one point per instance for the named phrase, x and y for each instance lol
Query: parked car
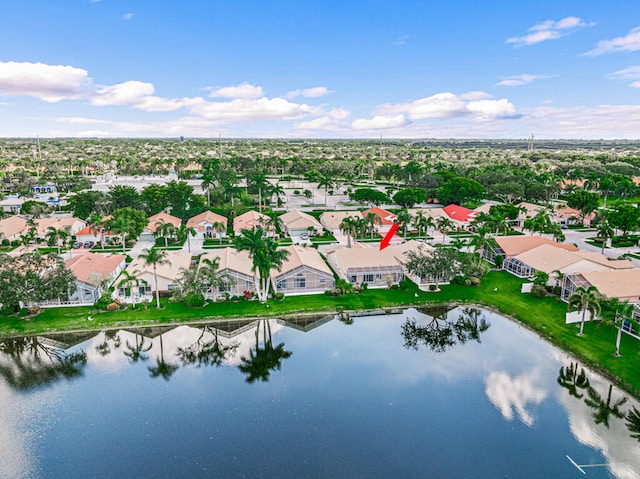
(304, 236)
(88, 244)
(77, 245)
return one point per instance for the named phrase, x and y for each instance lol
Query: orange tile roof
(85, 265)
(514, 245)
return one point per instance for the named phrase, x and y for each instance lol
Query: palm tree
(370, 221)
(209, 271)
(273, 223)
(624, 312)
(96, 224)
(327, 182)
(569, 379)
(444, 225)
(349, 226)
(603, 408)
(264, 254)
(277, 190)
(130, 280)
(54, 235)
(185, 232)
(162, 368)
(403, 219)
(219, 227)
(122, 226)
(605, 232)
(155, 257)
(585, 300)
(164, 230)
(259, 180)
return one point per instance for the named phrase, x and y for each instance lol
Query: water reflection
(633, 422)
(207, 352)
(569, 379)
(437, 333)
(263, 360)
(34, 361)
(604, 409)
(163, 369)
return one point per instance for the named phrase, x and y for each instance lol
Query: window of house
(282, 284)
(300, 282)
(368, 278)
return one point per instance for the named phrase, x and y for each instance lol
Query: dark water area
(441, 393)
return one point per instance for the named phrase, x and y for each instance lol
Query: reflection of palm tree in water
(111, 338)
(264, 359)
(207, 352)
(31, 363)
(633, 422)
(569, 379)
(604, 409)
(162, 368)
(137, 352)
(440, 333)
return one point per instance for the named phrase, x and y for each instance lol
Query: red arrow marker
(387, 239)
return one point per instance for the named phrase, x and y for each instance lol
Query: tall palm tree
(219, 227)
(585, 300)
(264, 254)
(54, 235)
(370, 221)
(130, 280)
(605, 232)
(123, 227)
(155, 257)
(209, 271)
(273, 222)
(403, 218)
(444, 225)
(349, 227)
(164, 230)
(326, 182)
(96, 225)
(185, 232)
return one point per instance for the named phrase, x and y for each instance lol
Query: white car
(304, 236)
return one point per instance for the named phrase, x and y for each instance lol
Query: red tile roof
(386, 216)
(459, 213)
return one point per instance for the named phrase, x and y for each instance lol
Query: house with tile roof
(510, 246)
(366, 264)
(250, 220)
(12, 228)
(237, 265)
(303, 272)
(459, 214)
(383, 219)
(209, 225)
(623, 284)
(156, 221)
(297, 222)
(74, 225)
(331, 220)
(167, 273)
(400, 253)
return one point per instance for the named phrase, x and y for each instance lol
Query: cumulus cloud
(309, 92)
(519, 80)
(127, 16)
(629, 43)
(550, 30)
(244, 90)
(380, 122)
(127, 93)
(254, 109)
(449, 105)
(51, 83)
(511, 395)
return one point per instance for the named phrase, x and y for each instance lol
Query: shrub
(194, 300)
(538, 291)
(432, 287)
(365, 286)
(459, 280)
(6, 242)
(104, 301)
(112, 307)
(34, 310)
(279, 296)
(327, 292)
(474, 281)
(405, 284)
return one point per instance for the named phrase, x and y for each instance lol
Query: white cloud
(322, 123)
(448, 105)
(511, 395)
(550, 30)
(76, 120)
(309, 92)
(127, 93)
(51, 83)
(379, 122)
(155, 103)
(127, 16)
(253, 109)
(629, 43)
(244, 90)
(519, 80)
(401, 40)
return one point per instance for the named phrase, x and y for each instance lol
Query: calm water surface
(460, 394)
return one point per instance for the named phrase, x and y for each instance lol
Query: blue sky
(320, 69)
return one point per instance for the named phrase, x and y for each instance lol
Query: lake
(431, 393)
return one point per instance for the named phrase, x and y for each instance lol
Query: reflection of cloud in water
(622, 453)
(23, 418)
(509, 394)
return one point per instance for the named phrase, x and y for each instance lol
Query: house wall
(302, 280)
(375, 279)
(241, 284)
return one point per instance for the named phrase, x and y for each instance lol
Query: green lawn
(498, 289)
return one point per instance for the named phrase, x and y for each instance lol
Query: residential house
(365, 264)
(12, 204)
(93, 273)
(331, 220)
(383, 219)
(296, 223)
(527, 210)
(548, 259)
(237, 265)
(73, 225)
(208, 225)
(510, 246)
(303, 272)
(400, 253)
(459, 214)
(623, 284)
(12, 227)
(167, 274)
(251, 220)
(155, 221)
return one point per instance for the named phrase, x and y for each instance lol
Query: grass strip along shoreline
(498, 290)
